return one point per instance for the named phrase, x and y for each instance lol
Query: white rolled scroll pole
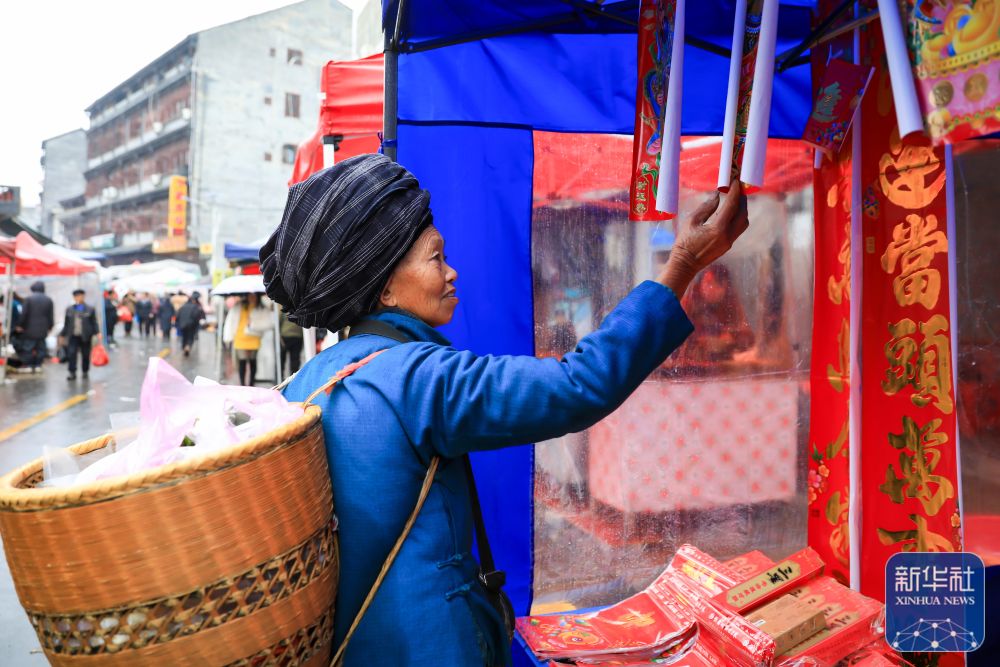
(755, 150)
(732, 96)
(904, 91)
(668, 182)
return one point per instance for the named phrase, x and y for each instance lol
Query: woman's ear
(388, 296)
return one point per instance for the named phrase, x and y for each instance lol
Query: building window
(294, 57)
(288, 154)
(292, 105)
(274, 51)
(267, 157)
(267, 100)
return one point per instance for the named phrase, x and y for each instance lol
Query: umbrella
(242, 284)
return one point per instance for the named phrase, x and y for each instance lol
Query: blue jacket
(416, 400)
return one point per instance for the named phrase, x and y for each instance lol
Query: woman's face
(422, 282)
(252, 300)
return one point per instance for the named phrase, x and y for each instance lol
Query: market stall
(497, 79)
(24, 258)
(487, 78)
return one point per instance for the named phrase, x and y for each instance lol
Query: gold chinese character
(840, 375)
(920, 539)
(913, 246)
(926, 367)
(904, 172)
(634, 619)
(917, 461)
(840, 289)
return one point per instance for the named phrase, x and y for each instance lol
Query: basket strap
(344, 372)
(424, 490)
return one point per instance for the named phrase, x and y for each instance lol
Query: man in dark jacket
(37, 320)
(166, 315)
(79, 327)
(144, 313)
(189, 318)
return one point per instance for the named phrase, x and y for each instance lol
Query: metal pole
(8, 309)
(391, 108)
(277, 344)
(308, 344)
(219, 326)
(101, 319)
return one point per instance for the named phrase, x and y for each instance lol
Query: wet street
(49, 410)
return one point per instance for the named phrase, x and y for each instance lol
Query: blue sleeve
(456, 402)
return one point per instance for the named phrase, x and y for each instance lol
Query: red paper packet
(643, 626)
(773, 582)
(852, 621)
(834, 106)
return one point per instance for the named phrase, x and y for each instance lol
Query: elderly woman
(357, 244)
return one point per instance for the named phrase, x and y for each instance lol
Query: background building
(369, 29)
(225, 109)
(64, 159)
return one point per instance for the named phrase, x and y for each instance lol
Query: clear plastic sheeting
(977, 236)
(709, 450)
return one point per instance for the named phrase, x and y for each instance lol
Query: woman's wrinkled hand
(705, 236)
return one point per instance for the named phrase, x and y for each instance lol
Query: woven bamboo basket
(225, 559)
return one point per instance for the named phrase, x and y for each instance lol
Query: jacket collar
(410, 325)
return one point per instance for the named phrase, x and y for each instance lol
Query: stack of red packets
(694, 615)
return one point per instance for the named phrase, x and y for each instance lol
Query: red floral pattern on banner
(909, 476)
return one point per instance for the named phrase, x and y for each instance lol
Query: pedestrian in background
(128, 303)
(37, 320)
(110, 316)
(166, 314)
(189, 318)
(178, 300)
(291, 344)
(79, 327)
(244, 327)
(144, 314)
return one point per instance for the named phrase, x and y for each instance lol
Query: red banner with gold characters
(655, 32)
(829, 475)
(829, 470)
(909, 486)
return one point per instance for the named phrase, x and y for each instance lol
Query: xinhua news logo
(935, 602)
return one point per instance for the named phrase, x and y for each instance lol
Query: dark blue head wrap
(343, 231)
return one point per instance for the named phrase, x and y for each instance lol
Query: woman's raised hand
(705, 236)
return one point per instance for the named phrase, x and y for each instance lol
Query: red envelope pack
(644, 626)
(852, 621)
(773, 582)
(723, 631)
(748, 564)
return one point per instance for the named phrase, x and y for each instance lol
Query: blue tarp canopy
(238, 252)
(475, 79)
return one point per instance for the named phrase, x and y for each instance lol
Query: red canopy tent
(31, 258)
(24, 256)
(350, 116)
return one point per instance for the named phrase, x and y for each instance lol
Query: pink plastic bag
(172, 409)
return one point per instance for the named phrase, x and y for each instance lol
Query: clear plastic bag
(178, 419)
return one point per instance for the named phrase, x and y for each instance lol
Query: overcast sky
(58, 56)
